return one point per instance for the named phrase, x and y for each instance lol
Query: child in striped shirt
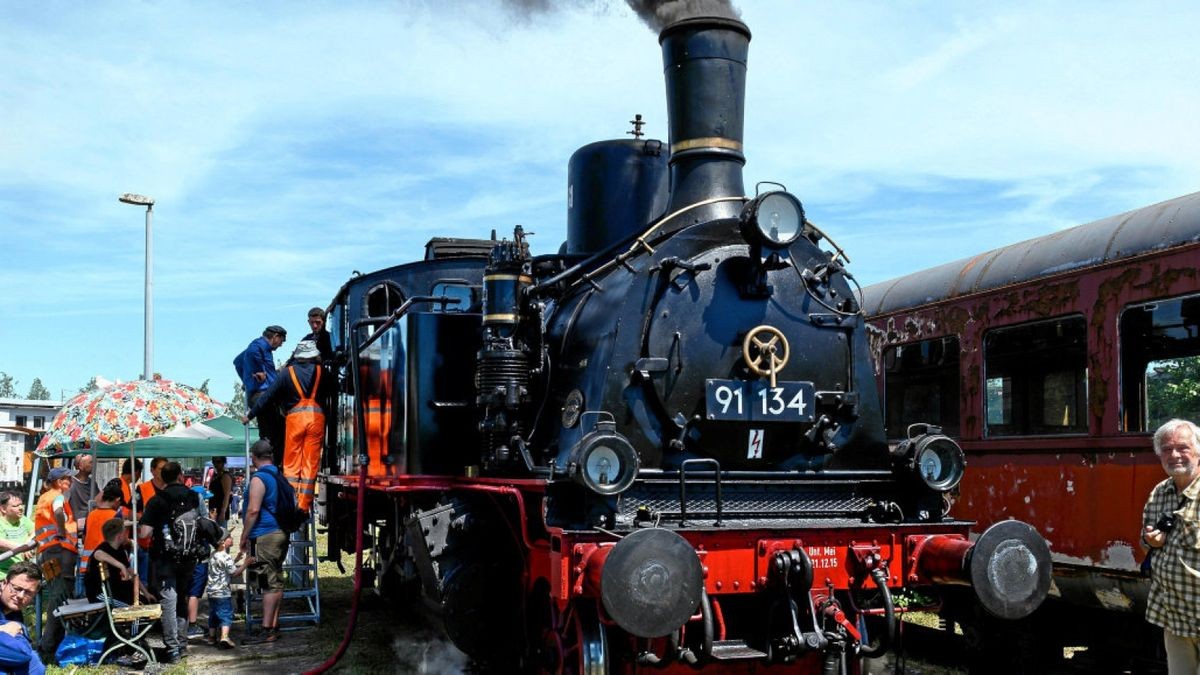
(221, 567)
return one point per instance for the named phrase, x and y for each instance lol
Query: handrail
(683, 486)
(391, 320)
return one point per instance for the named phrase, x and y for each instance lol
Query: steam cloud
(658, 14)
(425, 652)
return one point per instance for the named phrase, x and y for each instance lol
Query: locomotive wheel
(583, 642)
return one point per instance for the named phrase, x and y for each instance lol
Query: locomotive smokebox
(704, 63)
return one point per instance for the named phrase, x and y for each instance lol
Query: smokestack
(704, 63)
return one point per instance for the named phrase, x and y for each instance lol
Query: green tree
(204, 387)
(8, 386)
(1173, 390)
(90, 386)
(38, 391)
(236, 407)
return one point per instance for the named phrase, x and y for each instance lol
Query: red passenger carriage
(1052, 362)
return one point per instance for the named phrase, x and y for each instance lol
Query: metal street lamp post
(140, 200)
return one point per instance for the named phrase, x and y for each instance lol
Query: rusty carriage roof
(1161, 226)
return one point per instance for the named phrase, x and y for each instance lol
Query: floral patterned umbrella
(126, 412)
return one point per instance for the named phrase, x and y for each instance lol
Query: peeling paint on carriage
(1113, 598)
(1085, 491)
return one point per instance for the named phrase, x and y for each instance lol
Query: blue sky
(288, 144)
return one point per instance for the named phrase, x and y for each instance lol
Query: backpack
(185, 537)
(287, 516)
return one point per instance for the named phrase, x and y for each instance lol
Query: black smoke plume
(658, 14)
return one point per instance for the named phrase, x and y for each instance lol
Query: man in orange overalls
(296, 388)
(54, 528)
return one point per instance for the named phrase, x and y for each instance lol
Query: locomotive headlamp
(604, 461)
(935, 459)
(773, 219)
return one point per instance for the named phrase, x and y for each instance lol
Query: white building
(18, 419)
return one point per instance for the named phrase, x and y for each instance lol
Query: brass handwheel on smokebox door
(766, 351)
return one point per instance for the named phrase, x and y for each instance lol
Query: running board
(735, 650)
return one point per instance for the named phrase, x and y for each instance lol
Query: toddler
(221, 567)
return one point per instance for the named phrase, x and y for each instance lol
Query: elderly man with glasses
(17, 591)
(1171, 528)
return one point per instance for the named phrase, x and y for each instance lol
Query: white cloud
(288, 144)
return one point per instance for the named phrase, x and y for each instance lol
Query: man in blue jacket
(256, 367)
(17, 590)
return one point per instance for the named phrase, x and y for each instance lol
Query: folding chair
(129, 615)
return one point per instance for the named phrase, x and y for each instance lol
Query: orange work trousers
(304, 432)
(379, 423)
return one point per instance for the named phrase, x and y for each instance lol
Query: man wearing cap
(54, 528)
(256, 367)
(297, 389)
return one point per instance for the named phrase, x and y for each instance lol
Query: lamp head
(138, 200)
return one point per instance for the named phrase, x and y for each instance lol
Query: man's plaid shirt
(1174, 601)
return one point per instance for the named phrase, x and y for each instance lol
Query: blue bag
(76, 650)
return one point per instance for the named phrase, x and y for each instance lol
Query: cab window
(454, 290)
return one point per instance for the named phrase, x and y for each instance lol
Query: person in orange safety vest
(108, 506)
(55, 529)
(297, 387)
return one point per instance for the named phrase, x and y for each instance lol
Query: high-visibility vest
(126, 491)
(45, 529)
(147, 491)
(93, 533)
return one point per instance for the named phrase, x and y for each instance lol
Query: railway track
(925, 650)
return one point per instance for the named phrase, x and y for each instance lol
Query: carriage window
(921, 385)
(1160, 362)
(1036, 378)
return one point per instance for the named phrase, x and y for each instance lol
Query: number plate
(758, 401)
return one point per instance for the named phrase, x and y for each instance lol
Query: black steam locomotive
(661, 446)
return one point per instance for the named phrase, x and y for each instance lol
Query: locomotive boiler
(661, 446)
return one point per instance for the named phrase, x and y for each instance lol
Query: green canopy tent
(175, 447)
(172, 447)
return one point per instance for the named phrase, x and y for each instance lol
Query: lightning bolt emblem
(754, 448)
